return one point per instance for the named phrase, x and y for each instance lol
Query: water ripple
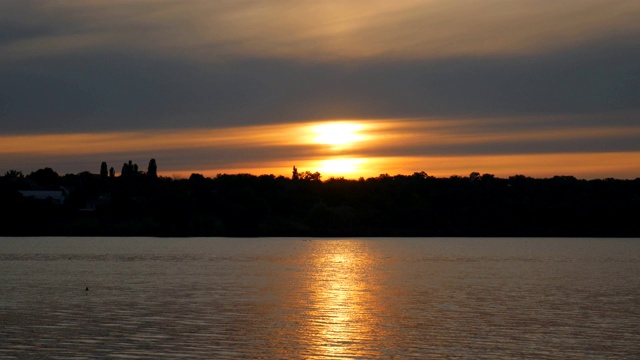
(289, 299)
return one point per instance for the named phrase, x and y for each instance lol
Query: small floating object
(86, 288)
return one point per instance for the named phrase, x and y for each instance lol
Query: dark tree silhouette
(294, 176)
(45, 178)
(13, 174)
(103, 170)
(266, 205)
(308, 175)
(129, 169)
(13, 180)
(112, 172)
(152, 170)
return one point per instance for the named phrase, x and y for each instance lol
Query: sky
(347, 88)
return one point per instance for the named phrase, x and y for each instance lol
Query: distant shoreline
(244, 205)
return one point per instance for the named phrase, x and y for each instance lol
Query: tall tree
(152, 170)
(103, 170)
(129, 169)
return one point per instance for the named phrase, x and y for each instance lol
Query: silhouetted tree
(112, 172)
(420, 175)
(196, 177)
(15, 179)
(46, 178)
(13, 174)
(103, 170)
(248, 205)
(152, 170)
(129, 169)
(294, 176)
(308, 175)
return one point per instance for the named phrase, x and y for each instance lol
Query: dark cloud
(111, 90)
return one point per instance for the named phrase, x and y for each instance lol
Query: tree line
(139, 203)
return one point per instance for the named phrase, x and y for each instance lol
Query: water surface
(386, 298)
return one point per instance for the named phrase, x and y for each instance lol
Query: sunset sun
(337, 133)
(340, 167)
(340, 139)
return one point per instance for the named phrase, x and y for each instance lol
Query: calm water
(320, 298)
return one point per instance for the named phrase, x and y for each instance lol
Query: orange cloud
(349, 148)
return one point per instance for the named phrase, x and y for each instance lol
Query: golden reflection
(344, 310)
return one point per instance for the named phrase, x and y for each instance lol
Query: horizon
(323, 177)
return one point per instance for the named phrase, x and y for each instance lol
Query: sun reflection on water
(343, 307)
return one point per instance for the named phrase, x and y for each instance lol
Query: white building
(57, 196)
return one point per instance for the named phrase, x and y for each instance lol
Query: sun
(340, 167)
(339, 148)
(338, 133)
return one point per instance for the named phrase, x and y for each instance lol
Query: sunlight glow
(340, 167)
(337, 133)
(343, 148)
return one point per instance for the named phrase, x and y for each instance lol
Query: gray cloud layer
(107, 91)
(69, 66)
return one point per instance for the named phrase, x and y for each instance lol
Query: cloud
(109, 92)
(116, 65)
(312, 31)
